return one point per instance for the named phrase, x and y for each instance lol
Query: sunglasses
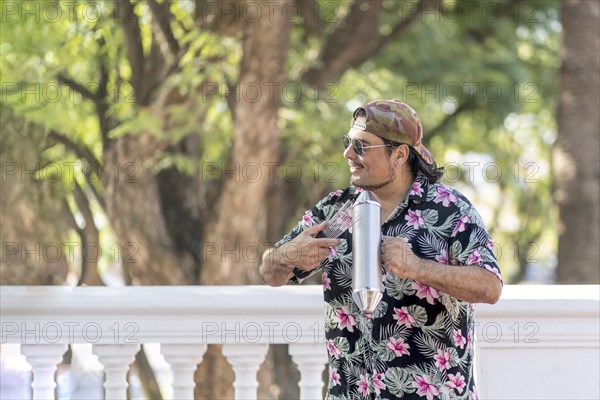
(358, 146)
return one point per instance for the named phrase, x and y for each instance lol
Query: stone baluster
(310, 359)
(183, 359)
(246, 360)
(116, 359)
(43, 359)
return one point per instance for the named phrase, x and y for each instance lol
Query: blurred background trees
(171, 142)
(577, 148)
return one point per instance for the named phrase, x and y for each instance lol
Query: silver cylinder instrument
(366, 253)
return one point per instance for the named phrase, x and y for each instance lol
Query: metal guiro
(366, 253)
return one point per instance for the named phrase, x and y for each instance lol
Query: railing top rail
(219, 314)
(158, 299)
(289, 298)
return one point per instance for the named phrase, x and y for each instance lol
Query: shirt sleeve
(311, 217)
(471, 244)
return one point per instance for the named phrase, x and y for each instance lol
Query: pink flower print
(426, 292)
(416, 189)
(443, 257)
(331, 253)
(490, 244)
(378, 382)
(461, 225)
(404, 317)
(474, 258)
(398, 346)
(414, 218)
(442, 359)
(469, 339)
(474, 395)
(345, 319)
(425, 387)
(326, 281)
(336, 193)
(456, 382)
(332, 349)
(444, 196)
(363, 385)
(307, 220)
(334, 377)
(459, 339)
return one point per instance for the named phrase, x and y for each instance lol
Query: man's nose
(349, 152)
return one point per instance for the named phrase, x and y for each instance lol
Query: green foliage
(484, 85)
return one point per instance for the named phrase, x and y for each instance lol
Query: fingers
(321, 242)
(308, 252)
(311, 258)
(390, 240)
(313, 230)
(327, 242)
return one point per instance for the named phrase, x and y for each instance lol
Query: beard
(376, 186)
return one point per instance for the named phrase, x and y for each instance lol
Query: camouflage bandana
(395, 121)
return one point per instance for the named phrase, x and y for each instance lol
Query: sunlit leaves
(481, 75)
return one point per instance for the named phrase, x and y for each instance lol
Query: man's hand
(397, 257)
(470, 283)
(305, 251)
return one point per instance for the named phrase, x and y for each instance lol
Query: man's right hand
(305, 251)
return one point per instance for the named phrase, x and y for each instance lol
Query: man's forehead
(355, 133)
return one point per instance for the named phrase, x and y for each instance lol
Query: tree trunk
(576, 151)
(133, 204)
(32, 214)
(236, 237)
(240, 212)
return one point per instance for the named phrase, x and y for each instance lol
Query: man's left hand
(397, 256)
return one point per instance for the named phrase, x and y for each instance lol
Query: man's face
(373, 169)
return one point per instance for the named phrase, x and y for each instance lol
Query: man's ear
(401, 154)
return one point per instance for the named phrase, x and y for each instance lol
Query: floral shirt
(419, 342)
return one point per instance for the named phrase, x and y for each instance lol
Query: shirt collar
(418, 191)
(416, 194)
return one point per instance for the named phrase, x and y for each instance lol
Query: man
(437, 259)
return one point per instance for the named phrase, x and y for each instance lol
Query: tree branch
(80, 150)
(83, 153)
(99, 198)
(312, 24)
(155, 65)
(442, 125)
(357, 39)
(222, 17)
(89, 235)
(66, 80)
(163, 19)
(104, 120)
(130, 24)
(343, 46)
(402, 26)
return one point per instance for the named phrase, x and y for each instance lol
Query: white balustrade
(535, 337)
(183, 359)
(43, 359)
(116, 359)
(310, 360)
(245, 359)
